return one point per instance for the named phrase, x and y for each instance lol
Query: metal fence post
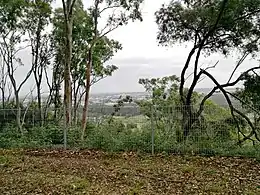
(152, 127)
(65, 130)
(33, 116)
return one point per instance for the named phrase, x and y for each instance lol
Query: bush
(117, 137)
(45, 136)
(121, 135)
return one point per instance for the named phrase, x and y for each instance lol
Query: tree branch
(200, 47)
(232, 109)
(241, 60)
(64, 10)
(109, 7)
(71, 7)
(183, 73)
(243, 102)
(224, 86)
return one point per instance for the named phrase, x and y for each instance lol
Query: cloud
(141, 57)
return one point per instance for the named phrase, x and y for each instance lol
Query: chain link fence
(153, 129)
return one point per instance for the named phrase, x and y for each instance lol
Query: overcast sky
(141, 57)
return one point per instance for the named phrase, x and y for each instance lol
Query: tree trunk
(67, 81)
(88, 71)
(39, 114)
(188, 120)
(56, 86)
(18, 112)
(3, 97)
(75, 95)
(86, 102)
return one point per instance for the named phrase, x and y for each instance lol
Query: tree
(68, 23)
(68, 20)
(81, 38)
(3, 81)
(164, 101)
(37, 19)
(122, 13)
(12, 31)
(249, 95)
(212, 26)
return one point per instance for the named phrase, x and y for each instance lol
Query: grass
(96, 172)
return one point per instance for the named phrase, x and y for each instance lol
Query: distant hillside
(207, 90)
(219, 99)
(101, 98)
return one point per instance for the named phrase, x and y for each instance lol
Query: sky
(142, 57)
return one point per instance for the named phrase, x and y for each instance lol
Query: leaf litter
(96, 172)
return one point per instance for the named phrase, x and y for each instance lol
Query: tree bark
(18, 112)
(3, 98)
(68, 11)
(89, 63)
(67, 80)
(39, 99)
(86, 102)
(75, 102)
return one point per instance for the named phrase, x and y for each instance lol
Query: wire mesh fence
(153, 129)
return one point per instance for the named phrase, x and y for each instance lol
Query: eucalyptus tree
(38, 15)
(120, 13)
(13, 40)
(215, 26)
(81, 38)
(68, 21)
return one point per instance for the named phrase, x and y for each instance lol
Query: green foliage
(35, 137)
(82, 35)
(37, 16)
(120, 104)
(117, 136)
(165, 110)
(164, 106)
(214, 112)
(164, 92)
(250, 94)
(123, 135)
(123, 12)
(11, 12)
(197, 21)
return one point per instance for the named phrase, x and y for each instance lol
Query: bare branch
(109, 7)
(110, 30)
(29, 93)
(213, 66)
(256, 74)
(230, 84)
(243, 102)
(47, 78)
(96, 80)
(201, 79)
(241, 60)
(64, 10)
(20, 49)
(25, 79)
(232, 109)
(192, 73)
(71, 7)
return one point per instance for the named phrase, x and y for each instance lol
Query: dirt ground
(95, 172)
